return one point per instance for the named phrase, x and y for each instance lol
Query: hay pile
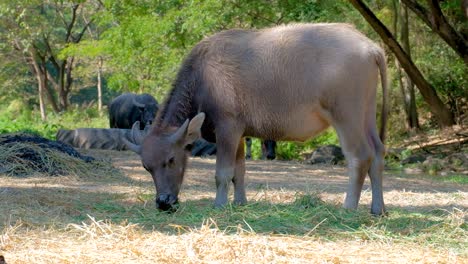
(27, 154)
(99, 241)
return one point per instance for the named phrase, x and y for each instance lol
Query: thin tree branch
(80, 35)
(444, 116)
(52, 57)
(436, 20)
(72, 22)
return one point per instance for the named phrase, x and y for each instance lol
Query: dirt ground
(290, 177)
(275, 181)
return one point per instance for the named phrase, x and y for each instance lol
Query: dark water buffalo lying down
(113, 139)
(100, 138)
(282, 83)
(128, 108)
(203, 148)
(268, 149)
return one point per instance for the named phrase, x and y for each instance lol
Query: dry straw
(102, 241)
(29, 158)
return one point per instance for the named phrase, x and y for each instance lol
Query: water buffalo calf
(285, 83)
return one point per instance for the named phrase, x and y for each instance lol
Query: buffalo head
(148, 111)
(164, 155)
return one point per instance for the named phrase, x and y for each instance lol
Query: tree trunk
(40, 86)
(61, 86)
(435, 19)
(68, 80)
(399, 71)
(441, 112)
(41, 71)
(41, 104)
(47, 89)
(99, 85)
(408, 87)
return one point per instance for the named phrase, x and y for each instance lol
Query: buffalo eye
(189, 147)
(170, 162)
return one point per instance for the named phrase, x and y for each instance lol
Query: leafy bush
(295, 150)
(27, 120)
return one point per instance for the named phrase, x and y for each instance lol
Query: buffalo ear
(194, 129)
(189, 131)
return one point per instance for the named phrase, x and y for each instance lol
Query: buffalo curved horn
(180, 133)
(137, 135)
(133, 147)
(136, 103)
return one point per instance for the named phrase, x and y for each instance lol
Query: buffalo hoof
(382, 213)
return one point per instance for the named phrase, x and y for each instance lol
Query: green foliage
(405, 153)
(295, 150)
(288, 150)
(446, 71)
(24, 119)
(148, 41)
(141, 45)
(457, 178)
(34, 35)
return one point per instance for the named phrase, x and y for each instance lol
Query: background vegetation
(62, 61)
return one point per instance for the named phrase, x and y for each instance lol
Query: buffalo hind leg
(359, 156)
(239, 173)
(376, 174)
(227, 138)
(358, 165)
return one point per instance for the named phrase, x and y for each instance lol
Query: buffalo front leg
(227, 140)
(239, 173)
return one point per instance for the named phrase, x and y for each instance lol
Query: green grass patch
(308, 215)
(457, 178)
(449, 178)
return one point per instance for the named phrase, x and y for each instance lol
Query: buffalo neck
(180, 104)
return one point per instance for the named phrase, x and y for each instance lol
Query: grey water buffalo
(99, 138)
(128, 108)
(283, 83)
(268, 149)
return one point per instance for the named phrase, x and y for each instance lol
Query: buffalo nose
(166, 202)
